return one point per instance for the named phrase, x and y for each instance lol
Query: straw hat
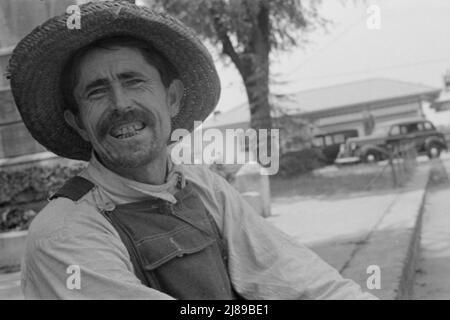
(38, 60)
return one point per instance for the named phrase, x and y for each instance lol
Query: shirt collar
(122, 190)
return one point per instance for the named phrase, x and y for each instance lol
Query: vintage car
(377, 146)
(329, 143)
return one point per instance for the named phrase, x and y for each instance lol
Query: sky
(412, 44)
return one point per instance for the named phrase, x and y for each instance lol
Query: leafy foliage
(16, 219)
(238, 19)
(300, 162)
(33, 183)
(20, 188)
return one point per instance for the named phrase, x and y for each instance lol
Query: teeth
(127, 130)
(127, 135)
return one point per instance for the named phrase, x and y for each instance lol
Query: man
(134, 225)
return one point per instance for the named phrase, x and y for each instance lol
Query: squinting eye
(97, 92)
(133, 82)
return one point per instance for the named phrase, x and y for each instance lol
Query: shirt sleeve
(266, 263)
(87, 266)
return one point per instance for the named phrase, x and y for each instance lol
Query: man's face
(124, 108)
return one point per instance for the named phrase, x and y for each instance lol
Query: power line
(391, 67)
(331, 42)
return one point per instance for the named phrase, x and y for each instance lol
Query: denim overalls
(174, 248)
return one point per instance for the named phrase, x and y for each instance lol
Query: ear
(73, 121)
(174, 97)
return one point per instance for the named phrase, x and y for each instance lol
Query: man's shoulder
(62, 217)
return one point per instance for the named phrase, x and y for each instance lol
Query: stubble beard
(134, 155)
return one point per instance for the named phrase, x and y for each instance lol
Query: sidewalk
(331, 227)
(432, 281)
(361, 230)
(10, 286)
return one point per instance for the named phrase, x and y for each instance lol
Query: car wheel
(434, 151)
(371, 157)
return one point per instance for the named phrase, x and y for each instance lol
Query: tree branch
(222, 34)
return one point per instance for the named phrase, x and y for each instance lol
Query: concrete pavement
(10, 286)
(362, 230)
(331, 227)
(432, 276)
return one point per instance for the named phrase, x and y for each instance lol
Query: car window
(339, 138)
(427, 126)
(412, 127)
(403, 129)
(395, 131)
(318, 141)
(420, 126)
(328, 141)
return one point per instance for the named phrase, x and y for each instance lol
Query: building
(350, 106)
(17, 18)
(442, 103)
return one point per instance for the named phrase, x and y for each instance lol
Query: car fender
(367, 148)
(434, 139)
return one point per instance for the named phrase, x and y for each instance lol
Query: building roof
(331, 97)
(238, 114)
(444, 98)
(354, 93)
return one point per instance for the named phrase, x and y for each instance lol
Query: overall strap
(74, 189)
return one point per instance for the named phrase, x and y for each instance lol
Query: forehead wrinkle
(129, 75)
(113, 66)
(105, 81)
(114, 73)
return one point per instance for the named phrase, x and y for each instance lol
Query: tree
(248, 31)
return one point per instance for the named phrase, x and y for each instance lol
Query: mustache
(115, 117)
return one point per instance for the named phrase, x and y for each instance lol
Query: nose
(120, 100)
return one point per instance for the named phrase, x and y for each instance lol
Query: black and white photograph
(224, 150)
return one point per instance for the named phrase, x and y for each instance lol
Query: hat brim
(38, 60)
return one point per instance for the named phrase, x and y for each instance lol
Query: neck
(151, 173)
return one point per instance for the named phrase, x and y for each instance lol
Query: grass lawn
(337, 181)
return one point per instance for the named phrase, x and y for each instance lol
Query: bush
(300, 162)
(22, 187)
(33, 183)
(16, 219)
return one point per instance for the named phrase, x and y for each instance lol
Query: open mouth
(127, 130)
